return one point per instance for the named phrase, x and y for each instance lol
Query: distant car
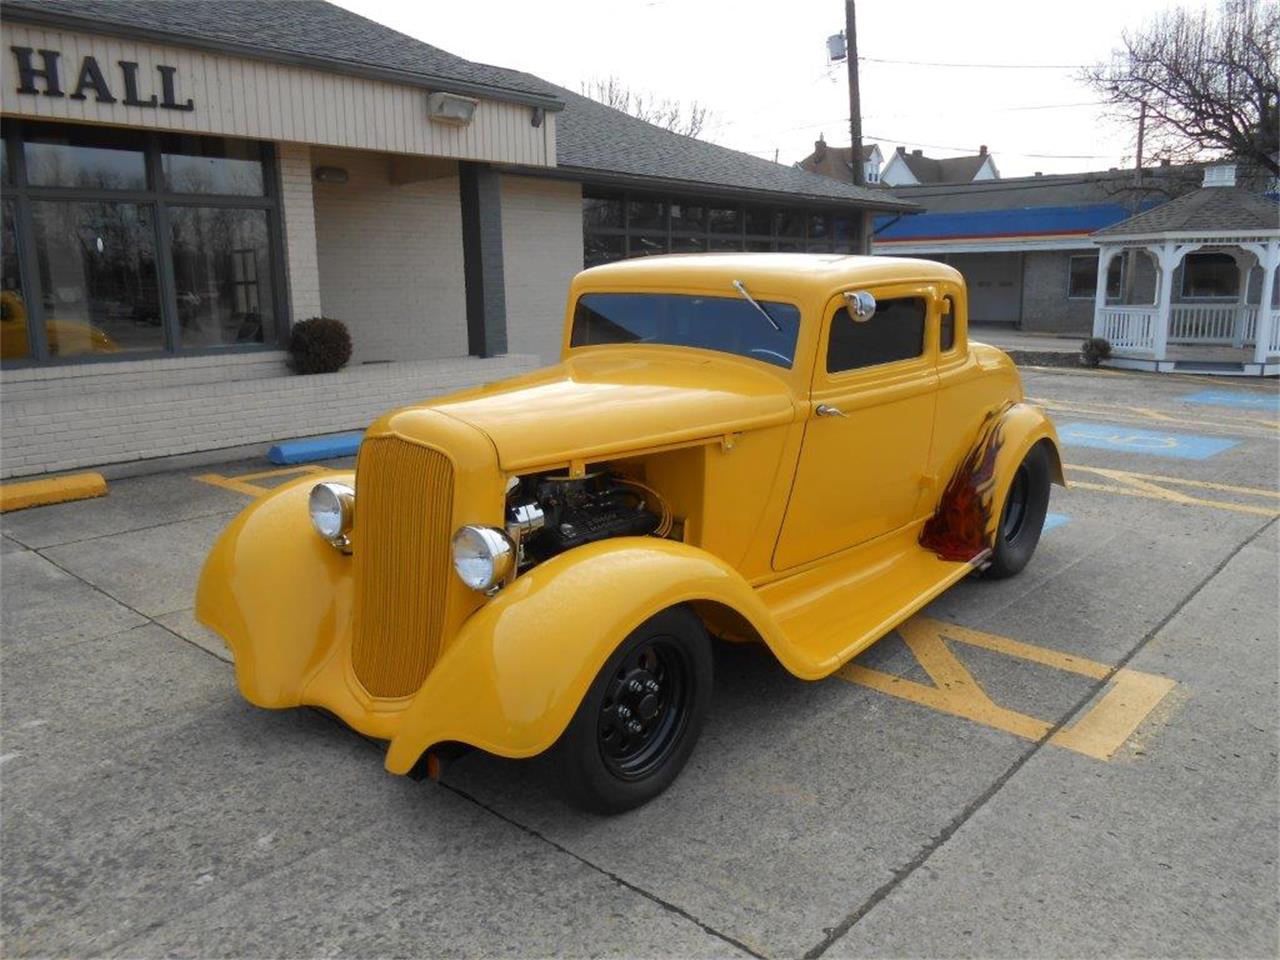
(795, 450)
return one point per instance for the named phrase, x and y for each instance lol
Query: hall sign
(41, 73)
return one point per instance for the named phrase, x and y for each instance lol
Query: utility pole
(862, 240)
(1135, 203)
(855, 101)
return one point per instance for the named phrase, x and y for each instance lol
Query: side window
(947, 325)
(896, 332)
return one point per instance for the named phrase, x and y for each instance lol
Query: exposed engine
(548, 514)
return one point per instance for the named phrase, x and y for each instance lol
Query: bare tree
(686, 119)
(1207, 82)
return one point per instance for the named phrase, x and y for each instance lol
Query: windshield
(727, 324)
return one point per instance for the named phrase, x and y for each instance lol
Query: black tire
(1022, 517)
(660, 680)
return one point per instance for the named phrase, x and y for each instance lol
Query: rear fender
(513, 678)
(277, 593)
(963, 524)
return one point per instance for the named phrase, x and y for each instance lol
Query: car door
(863, 461)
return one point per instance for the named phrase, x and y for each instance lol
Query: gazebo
(1161, 325)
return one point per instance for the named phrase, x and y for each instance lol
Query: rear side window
(947, 329)
(895, 332)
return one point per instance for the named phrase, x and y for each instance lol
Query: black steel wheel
(1022, 518)
(640, 719)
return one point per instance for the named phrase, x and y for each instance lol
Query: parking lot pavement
(1078, 761)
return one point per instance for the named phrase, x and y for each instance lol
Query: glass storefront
(121, 243)
(617, 225)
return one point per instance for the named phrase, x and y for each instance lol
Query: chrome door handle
(824, 410)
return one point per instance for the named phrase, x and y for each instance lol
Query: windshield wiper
(742, 289)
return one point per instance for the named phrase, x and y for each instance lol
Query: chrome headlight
(483, 556)
(333, 509)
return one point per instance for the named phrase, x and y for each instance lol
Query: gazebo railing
(1129, 328)
(1208, 323)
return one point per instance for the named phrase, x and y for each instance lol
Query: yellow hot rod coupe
(798, 450)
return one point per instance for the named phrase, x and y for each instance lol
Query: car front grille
(404, 507)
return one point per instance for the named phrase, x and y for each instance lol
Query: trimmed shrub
(319, 345)
(1094, 350)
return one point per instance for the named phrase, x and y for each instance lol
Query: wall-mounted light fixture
(536, 116)
(451, 108)
(331, 175)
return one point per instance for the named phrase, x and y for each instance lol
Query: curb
(38, 493)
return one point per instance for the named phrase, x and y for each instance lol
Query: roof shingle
(1228, 209)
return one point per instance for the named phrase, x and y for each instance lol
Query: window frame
(158, 200)
(1119, 259)
(712, 239)
(827, 381)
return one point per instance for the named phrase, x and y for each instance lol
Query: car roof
(802, 273)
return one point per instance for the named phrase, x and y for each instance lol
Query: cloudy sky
(761, 67)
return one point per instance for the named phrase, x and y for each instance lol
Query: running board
(832, 612)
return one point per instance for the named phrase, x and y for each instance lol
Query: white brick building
(184, 181)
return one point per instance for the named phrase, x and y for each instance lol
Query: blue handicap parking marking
(1236, 398)
(1126, 439)
(1053, 521)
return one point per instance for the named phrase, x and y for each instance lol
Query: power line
(1012, 153)
(979, 66)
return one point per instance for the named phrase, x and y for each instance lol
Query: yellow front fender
(512, 679)
(278, 595)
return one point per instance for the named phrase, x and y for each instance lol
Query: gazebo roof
(1232, 210)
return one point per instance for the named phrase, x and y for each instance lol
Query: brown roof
(1229, 209)
(833, 162)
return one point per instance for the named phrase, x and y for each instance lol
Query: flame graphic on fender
(958, 528)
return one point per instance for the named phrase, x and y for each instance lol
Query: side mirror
(862, 305)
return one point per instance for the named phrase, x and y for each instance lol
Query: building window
(96, 265)
(139, 244)
(1209, 276)
(1082, 277)
(617, 225)
(894, 332)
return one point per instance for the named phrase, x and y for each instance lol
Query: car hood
(610, 401)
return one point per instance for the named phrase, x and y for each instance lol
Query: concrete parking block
(47, 607)
(1172, 851)
(135, 503)
(154, 569)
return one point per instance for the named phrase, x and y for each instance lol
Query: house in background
(1024, 243)
(905, 169)
(836, 162)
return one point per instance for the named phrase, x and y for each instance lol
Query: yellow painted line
(1142, 414)
(1177, 481)
(1099, 733)
(1104, 729)
(1153, 487)
(241, 484)
(1025, 651)
(37, 493)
